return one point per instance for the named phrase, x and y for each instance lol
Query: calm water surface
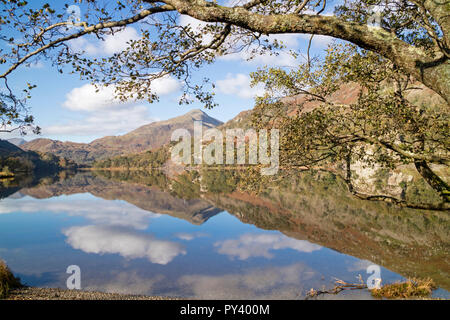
(141, 240)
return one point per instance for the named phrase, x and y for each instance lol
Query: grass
(411, 288)
(7, 280)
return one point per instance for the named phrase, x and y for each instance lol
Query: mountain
(411, 242)
(9, 149)
(17, 141)
(149, 198)
(347, 94)
(15, 160)
(156, 134)
(147, 137)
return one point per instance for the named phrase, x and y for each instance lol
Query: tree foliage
(413, 35)
(391, 122)
(150, 159)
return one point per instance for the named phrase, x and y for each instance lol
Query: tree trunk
(433, 180)
(348, 175)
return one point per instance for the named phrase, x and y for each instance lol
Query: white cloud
(360, 265)
(190, 236)
(318, 42)
(110, 45)
(85, 98)
(118, 42)
(90, 98)
(166, 85)
(259, 245)
(285, 282)
(104, 113)
(99, 211)
(283, 59)
(126, 242)
(83, 44)
(295, 42)
(239, 84)
(104, 123)
(196, 26)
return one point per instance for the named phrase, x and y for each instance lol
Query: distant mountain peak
(200, 115)
(196, 111)
(147, 137)
(196, 114)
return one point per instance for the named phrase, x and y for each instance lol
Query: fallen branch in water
(340, 285)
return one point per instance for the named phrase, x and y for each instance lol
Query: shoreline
(35, 293)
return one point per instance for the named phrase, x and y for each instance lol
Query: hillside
(319, 209)
(9, 149)
(153, 199)
(347, 94)
(144, 138)
(402, 181)
(14, 160)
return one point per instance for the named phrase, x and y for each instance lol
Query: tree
(414, 35)
(392, 121)
(14, 114)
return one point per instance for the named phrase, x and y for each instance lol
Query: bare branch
(414, 60)
(104, 25)
(302, 6)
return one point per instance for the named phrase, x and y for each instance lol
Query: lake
(145, 234)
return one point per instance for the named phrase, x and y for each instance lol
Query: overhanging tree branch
(87, 30)
(433, 71)
(405, 153)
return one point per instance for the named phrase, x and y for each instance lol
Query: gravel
(32, 293)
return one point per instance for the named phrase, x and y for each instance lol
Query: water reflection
(114, 213)
(190, 236)
(127, 242)
(283, 282)
(261, 245)
(130, 235)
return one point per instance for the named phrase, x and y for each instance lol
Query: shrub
(412, 288)
(7, 280)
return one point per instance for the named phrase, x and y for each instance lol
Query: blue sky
(68, 109)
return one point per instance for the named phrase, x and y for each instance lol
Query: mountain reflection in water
(144, 233)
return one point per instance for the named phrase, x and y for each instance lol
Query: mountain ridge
(144, 138)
